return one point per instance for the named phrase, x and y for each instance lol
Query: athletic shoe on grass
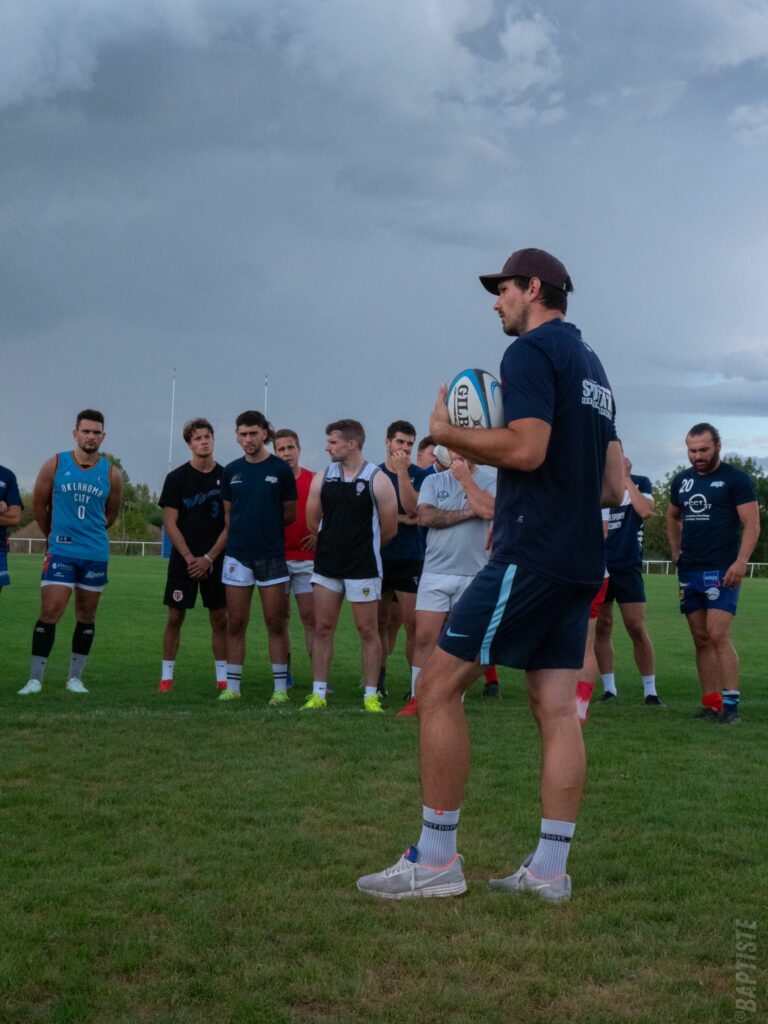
(314, 702)
(654, 701)
(166, 685)
(553, 889)
(705, 715)
(278, 698)
(729, 716)
(407, 879)
(492, 690)
(607, 697)
(373, 704)
(33, 686)
(409, 710)
(75, 686)
(228, 695)
(222, 685)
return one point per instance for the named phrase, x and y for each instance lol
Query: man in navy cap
(558, 463)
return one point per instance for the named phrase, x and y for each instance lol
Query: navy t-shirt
(197, 498)
(624, 543)
(549, 520)
(9, 493)
(257, 491)
(708, 510)
(408, 542)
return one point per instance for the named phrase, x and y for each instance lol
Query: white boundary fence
(36, 545)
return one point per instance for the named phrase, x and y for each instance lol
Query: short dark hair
(253, 418)
(350, 430)
(192, 425)
(425, 442)
(89, 414)
(285, 432)
(551, 297)
(400, 427)
(704, 428)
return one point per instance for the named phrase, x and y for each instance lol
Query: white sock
(221, 671)
(609, 683)
(370, 691)
(649, 686)
(551, 854)
(168, 667)
(280, 677)
(319, 689)
(234, 675)
(414, 676)
(437, 843)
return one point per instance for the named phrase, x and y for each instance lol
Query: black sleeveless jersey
(349, 539)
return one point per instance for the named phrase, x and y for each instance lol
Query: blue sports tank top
(78, 521)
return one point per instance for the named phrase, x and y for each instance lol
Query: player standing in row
(528, 608)
(300, 542)
(456, 507)
(259, 494)
(425, 458)
(352, 508)
(403, 558)
(10, 514)
(710, 505)
(624, 556)
(193, 519)
(76, 499)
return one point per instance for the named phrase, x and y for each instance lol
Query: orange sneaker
(166, 685)
(410, 708)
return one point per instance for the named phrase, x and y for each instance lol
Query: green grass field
(170, 859)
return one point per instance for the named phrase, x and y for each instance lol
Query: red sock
(490, 673)
(714, 701)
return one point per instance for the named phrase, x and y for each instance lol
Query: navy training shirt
(257, 491)
(708, 510)
(624, 543)
(549, 521)
(9, 493)
(408, 542)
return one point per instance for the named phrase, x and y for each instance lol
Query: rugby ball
(474, 400)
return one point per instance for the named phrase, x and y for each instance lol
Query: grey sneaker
(554, 889)
(705, 715)
(75, 686)
(729, 716)
(407, 879)
(33, 686)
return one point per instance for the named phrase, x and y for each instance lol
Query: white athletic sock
(280, 677)
(609, 683)
(437, 842)
(414, 676)
(370, 691)
(221, 671)
(649, 686)
(168, 667)
(319, 688)
(234, 675)
(551, 854)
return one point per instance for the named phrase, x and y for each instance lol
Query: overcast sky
(309, 189)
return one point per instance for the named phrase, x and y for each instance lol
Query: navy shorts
(5, 579)
(509, 616)
(703, 589)
(401, 574)
(625, 586)
(84, 573)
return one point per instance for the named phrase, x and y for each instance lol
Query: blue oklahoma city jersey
(624, 543)
(708, 510)
(257, 491)
(78, 519)
(549, 520)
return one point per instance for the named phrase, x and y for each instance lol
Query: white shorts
(300, 572)
(439, 591)
(264, 573)
(358, 591)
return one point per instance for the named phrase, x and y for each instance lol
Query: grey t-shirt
(457, 550)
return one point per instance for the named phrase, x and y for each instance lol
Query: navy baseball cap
(530, 263)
